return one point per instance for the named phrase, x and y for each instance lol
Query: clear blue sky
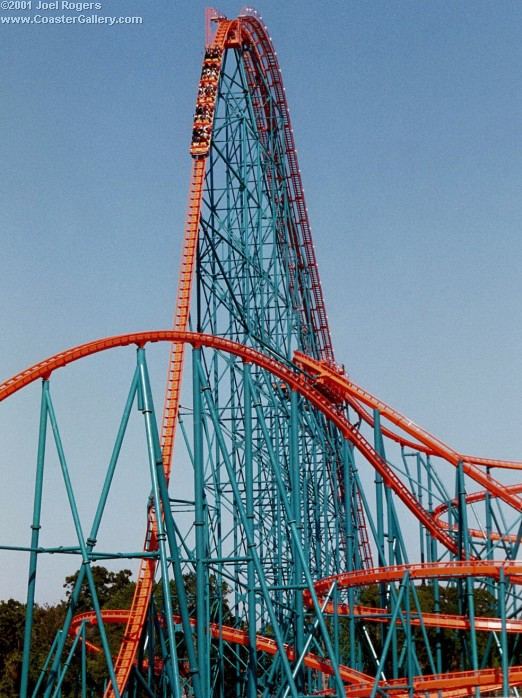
(407, 116)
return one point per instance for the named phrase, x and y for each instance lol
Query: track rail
(327, 378)
(360, 684)
(296, 381)
(320, 381)
(246, 30)
(304, 385)
(233, 636)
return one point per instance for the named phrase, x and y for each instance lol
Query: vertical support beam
(432, 557)
(410, 648)
(241, 510)
(379, 490)
(503, 632)
(419, 497)
(349, 535)
(465, 552)
(170, 527)
(84, 662)
(489, 520)
(393, 620)
(35, 536)
(295, 538)
(463, 535)
(156, 462)
(296, 514)
(379, 447)
(251, 573)
(202, 615)
(57, 691)
(91, 541)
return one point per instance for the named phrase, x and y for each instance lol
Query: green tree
(109, 586)
(12, 617)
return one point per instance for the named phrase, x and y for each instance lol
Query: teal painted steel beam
(200, 523)
(35, 533)
(155, 463)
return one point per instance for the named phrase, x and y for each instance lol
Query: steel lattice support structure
(323, 543)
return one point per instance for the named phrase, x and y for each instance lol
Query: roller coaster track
(306, 386)
(249, 30)
(359, 683)
(348, 412)
(325, 376)
(297, 382)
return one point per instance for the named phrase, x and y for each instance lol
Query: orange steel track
(317, 381)
(473, 499)
(360, 684)
(298, 382)
(326, 377)
(457, 684)
(244, 31)
(305, 385)
(233, 636)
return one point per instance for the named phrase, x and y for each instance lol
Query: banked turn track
(318, 381)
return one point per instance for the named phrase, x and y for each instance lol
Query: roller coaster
(303, 538)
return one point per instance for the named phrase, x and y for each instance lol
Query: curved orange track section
(233, 636)
(296, 381)
(327, 378)
(249, 30)
(449, 685)
(473, 499)
(246, 30)
(305, 386)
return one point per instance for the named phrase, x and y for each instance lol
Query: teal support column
(241, 510)
(146, 406)
(35, 536)
(335, 621)
(408, 641)
(503, 632)
(489, 523)
(296, 513)
(250, 517)
(419, 497)
(379, 491)
(91, 541)
(389, 634)
(465, 552)
(309, 582)
(58, 690)
(202, 610)
(432, 557)
(390, 601)
(462, 517)
(170, 529)
(349, 534)
(84, 662)
(188, 630)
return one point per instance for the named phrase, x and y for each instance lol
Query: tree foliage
(114, 590)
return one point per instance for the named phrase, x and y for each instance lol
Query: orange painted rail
(451, 685)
